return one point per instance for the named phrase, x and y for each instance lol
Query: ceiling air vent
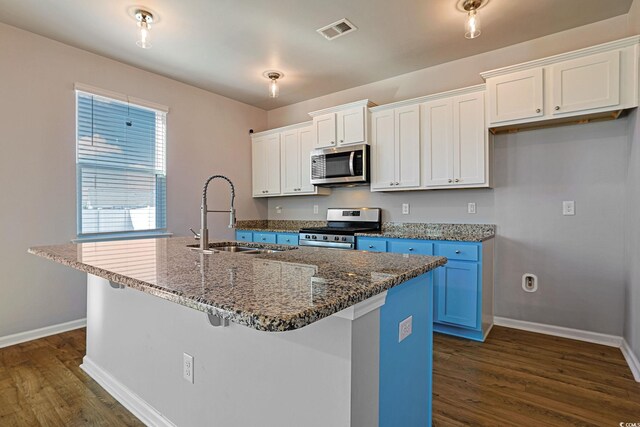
(337, 29)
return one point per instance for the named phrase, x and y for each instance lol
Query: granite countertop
(399, 230)
(428, 231)
(269, 292)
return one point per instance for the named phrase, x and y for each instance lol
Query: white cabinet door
(351, 126)
(586, 83)
(272, 165)
(290, 161)
(516, 96)
(306, 146)
(469, 136)
(258, 166)
(407, 146)
(437, 143)
(383, 162)
(324, 128)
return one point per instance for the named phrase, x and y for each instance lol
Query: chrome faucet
(204, 231)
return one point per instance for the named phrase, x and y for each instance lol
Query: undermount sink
(236, 249)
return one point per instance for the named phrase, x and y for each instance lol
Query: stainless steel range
(342, 225)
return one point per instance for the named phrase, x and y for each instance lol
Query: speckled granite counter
(427, 231)
(269, 292)
(277, 225)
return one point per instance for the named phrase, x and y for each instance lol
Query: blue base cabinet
(267, 237)
(463, 288)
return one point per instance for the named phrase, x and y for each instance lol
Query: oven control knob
(324, 237)
(314, 237)
(307, 236)
(344, 239)
(336, 238)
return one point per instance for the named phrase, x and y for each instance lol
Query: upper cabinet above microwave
(593, 83)
(342, 125)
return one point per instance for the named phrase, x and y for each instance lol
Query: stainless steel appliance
(340, 166)
(342, 225)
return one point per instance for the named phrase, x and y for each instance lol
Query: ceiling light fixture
(145, 19)
(273, 76)
(472, 25)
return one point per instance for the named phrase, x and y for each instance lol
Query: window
(121, 165)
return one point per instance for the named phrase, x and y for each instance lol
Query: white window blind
(121, 166)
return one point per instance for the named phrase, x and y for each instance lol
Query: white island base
(348, 369)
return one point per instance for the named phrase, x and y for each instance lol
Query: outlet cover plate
(405, 209)
(471, 208)
(187, 367)
(405, 328)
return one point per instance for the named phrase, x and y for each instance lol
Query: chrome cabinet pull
(557, 107)
(537, 110)
(450, 180)
(457, 180)
(458, 252)
(410, 249)
(370, 246)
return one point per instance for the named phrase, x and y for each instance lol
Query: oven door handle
(351, 159)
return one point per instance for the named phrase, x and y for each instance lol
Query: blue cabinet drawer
(244, 236)
(264, 237)
(456, 251)
(371, 245)
(287, 239)
(411, 247)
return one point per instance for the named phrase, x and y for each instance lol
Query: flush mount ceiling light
(144, 19)
(472, 25)
(273, 76)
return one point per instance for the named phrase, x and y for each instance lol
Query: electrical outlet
(405, 209)
(404, 330)
(529, 282)
(187, 367)
(568, 207)
(471, 208)
(315, 209)
(278, 209)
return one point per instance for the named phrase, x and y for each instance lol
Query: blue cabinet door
(264, 237)
(244, 236)
(371, 245)
(457, 294)
(287, 239)
(415, 247)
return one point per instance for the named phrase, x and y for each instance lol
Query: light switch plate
(405, 328)
(568, 207)
(471, 208)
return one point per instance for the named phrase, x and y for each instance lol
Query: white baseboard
(137, 406)
(560, 331)
(631, 358)
(21, 337)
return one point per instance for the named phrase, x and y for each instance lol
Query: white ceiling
(225, 45)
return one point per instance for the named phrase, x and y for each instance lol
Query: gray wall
(207, 134)
(577, 259)
(632, 296)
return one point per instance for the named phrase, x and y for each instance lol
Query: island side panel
(405, 367)
(242, 376)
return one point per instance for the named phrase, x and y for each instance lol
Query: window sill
(122, 236)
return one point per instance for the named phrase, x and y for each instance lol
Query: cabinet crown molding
(281, 129)
(433, 97)
(362, 103)
(550, 60)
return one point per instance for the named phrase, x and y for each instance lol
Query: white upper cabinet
(455, 147)
(282, 162)
(324, 129)
(516, 96)
(266, 165)
(342, 125)
(395, 148)
(592, 82)
(586, 83)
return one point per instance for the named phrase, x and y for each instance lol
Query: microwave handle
(351, 158)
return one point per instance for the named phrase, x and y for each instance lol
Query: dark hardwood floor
(519, 378)
(515, 378)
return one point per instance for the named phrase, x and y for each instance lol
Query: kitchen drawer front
(244, 236)
(372, 245)
(460, 252)
(287, 239)
(411, 247)
(264, 237)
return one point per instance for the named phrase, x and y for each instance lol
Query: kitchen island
(299, 337)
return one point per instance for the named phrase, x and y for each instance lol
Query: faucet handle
(196, 235)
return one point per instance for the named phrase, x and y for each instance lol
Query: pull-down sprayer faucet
(204, 231)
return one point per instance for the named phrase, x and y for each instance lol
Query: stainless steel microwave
(340, 166)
